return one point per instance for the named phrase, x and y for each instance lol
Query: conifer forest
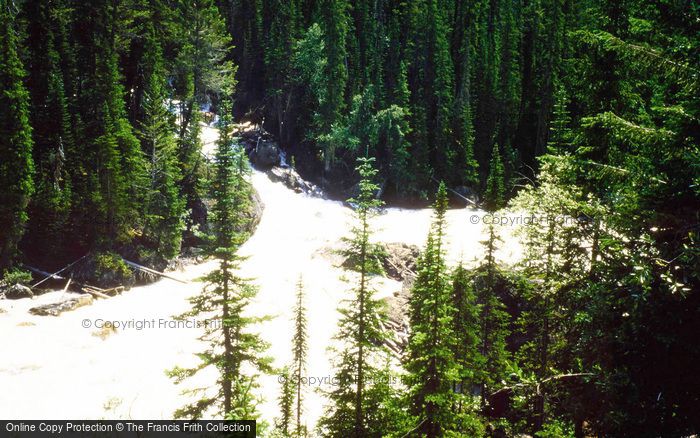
(366, 218)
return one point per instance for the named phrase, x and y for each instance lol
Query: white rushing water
(53, 367)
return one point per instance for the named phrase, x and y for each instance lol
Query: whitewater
(72, 367)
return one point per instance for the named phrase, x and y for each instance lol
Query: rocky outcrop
(265, 154)
(254, 213)
(55, 309)
(400, 260)
(290, 178)
(261, 147)
(15, 291)
(397, 323)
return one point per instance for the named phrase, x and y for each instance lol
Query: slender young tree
(164, 205)
(284, 423)
(48, 211)
(233, 348)
(334, 23)
(201, 69)
(466, 330)
(431, 361)
(300, 349)
(556, 260)
(16, 164)
(493, 319)
(360, 327)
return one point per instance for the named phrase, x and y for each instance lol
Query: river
(55, 367)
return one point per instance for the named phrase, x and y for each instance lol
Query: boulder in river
(16, 292)
(290, 178)
(55, 309)
(265, 155)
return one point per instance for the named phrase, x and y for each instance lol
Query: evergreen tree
(234, 350)
(555, 259)
(49, 208)
(488, 281)
(164, 206)
(16, 164)
(284, 423)
(360, 327)
(495, 184)
(431, 361)
(334, 25)
(466, 330)
(299, 352)
(201, 69)
(283, 31)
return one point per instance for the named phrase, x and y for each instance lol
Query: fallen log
(44, 273)
(113, 291)
(47, 275)
(58, 277)
(152, 271)
(94, 293)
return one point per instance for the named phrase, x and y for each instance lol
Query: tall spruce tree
(555, 260)
(334, 23)
(16, 164)
(488, 282)
(48, 211)
(235, 351)
(164, 206)
(431, 362)
(466, 331)
(201, 70)
(284, 423)
(300, 349)
(360, 327)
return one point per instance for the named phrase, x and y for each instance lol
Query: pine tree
(284, 423)
(466, 330)
(49, 208)
(299, 352)
(360, 326)
(556, 261)
(334, 25)
(283, 30)
(431, 362)
(201, 69)
(164, 207)
(495, 184)
(493, 319)
(16, 164)
(234, 350)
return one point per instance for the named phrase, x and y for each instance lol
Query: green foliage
(431, 360)
(164, 205)
(16, 276)
(555, 429)
(234, 350)
(16, 164)
(495, 184)
(110, 268)
(284, 424)
(354, 400)
(300, 349)
(466, 331)
(100, 151)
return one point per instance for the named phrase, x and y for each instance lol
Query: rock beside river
(15, 291)
(55, 309)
